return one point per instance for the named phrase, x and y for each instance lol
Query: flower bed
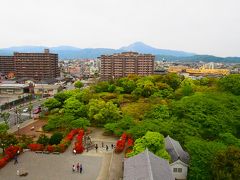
(120, 145)
(36, 147)
(78, 144)
(10, 152)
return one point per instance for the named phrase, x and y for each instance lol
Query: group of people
(96, 146)
(77, 168)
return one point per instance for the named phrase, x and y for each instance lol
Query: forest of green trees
(203, 115)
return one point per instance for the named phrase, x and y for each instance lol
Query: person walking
(15, 159)
(106, 147)
(73, 168)
(96, 147)
(112, 146)
(81, 168)
(78, 167)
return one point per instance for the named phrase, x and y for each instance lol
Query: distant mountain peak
(137, 45)
(69, 52)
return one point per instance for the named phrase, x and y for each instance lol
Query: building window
(179, 170)
(175, 169)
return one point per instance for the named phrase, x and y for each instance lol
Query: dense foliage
(203, 115)
(154, 141)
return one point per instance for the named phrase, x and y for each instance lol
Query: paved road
(23, 116)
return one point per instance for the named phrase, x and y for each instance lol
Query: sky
(199, 26)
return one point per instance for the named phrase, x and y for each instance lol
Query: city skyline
(200, 27)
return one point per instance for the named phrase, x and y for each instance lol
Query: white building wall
(179, 175)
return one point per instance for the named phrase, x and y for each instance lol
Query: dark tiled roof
(147, 166)
(175, 150)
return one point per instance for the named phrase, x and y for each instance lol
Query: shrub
(3, 162)
(130, 142)
(56, 138)
(120, 146)
(43, 139)
(78, 144)
(61, 148)
(79, 148)
(11, 151)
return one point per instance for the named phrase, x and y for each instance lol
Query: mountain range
(69, 52)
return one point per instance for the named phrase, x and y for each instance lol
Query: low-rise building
(147, 166)
(47, 89)
(17, 89)
(179, 158)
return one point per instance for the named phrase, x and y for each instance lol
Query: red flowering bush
(79, 148)
(3, 162)
(81, 132)
(130, 142)
(11, 151)
(36, 147)
(124, 137)
(50, 148)
(120, 146)
(71, 134)
(78, 145)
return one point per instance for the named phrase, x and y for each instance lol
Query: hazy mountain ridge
(197, 58)
(70, 52)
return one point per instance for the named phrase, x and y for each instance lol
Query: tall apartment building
(34, 65)
(123, 64)
(6, 64)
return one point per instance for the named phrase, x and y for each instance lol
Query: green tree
(75, 107)
(54, 122)
(120, 126)
(231, 83)
(64, 95)
(78, 84)
(84, 96)
(173, 80)
(202, 154)
(229, 139)
(3, 127)
(154, 141)
(226, 164)
(80, 123)
(30, 108)
(100, 112)
(52, 103)
(101, 87)
(7, 140)
(137, 93)
(5, 116)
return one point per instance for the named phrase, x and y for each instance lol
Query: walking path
(102, 164)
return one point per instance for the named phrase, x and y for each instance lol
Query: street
(22, 116)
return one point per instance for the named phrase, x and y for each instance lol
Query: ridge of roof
(170, 139)
(150, 165)
(175, 150)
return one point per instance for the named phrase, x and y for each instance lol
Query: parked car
(25, 110)
(37, 110)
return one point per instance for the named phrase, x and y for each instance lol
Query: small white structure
(179, 158)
